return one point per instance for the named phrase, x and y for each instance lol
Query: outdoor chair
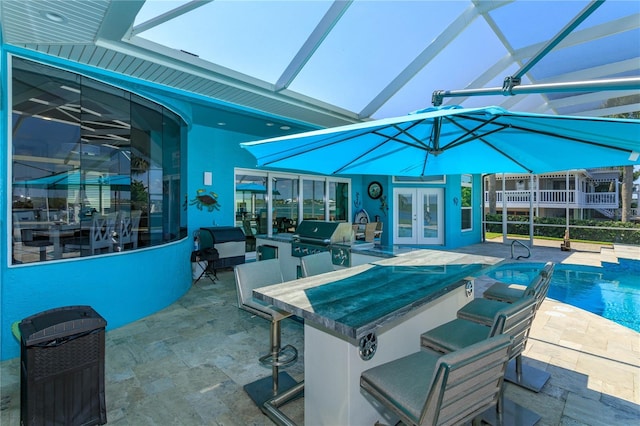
(483, 311)
(513, 320)
(315, 264)
(101, 235)
(431, 388)
(509, 293)
(127, 226)
(250, 276)
(372, 230)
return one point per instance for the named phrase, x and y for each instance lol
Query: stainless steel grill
(315, 236)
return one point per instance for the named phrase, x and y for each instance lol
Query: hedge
(587, 230)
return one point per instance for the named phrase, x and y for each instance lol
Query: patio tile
(595, 413)
(187, 364)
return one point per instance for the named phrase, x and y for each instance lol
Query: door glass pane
(313, 202)
(405, 215)
(466, 191)
(251, 203)
(430, 217)
(338, 201)
(285, 204)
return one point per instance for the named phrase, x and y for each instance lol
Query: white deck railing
(556, 199)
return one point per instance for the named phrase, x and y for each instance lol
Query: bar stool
(483, 311)
(431, 388)
(315, 264)
(513, 320)
(269, 392)
(509, 293)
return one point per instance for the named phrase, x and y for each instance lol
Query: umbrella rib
(347, 164)
(472, 132)
(281, 155)
(574, 139)
(419, 144)
(321, 145)
(566, 137)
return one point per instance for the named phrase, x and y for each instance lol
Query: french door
(419, 215)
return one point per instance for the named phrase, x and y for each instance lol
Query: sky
(374, 41)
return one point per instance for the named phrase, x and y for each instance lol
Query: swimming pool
(612, 291)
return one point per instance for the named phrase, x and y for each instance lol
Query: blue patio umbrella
(72, 178)
(455, 140)
(255, 188)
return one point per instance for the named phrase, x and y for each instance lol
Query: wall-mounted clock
(374, 190)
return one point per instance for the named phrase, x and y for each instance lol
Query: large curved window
(95, 169)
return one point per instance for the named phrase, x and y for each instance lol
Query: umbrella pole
(531, 181)
(504, 210)
(567, 202)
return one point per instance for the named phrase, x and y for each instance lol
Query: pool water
(612, 291)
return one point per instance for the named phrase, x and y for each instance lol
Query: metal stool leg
(526, 376)
(279, 383)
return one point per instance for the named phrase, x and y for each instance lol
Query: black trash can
(62, 367)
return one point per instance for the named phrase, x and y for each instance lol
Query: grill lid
(321, 232)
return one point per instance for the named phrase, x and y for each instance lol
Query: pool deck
(186, 364)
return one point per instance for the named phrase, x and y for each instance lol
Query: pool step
(623, 251)
(608, 255)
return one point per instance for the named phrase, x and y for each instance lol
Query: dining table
(55, 232)
(360, 317)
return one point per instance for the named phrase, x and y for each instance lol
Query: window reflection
(253, 204)
(285, 198)
(95, 168)
(313, 201)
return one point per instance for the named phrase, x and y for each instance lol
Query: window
(466, 202)
(338, 201)
(313, 201)
(323, 198)
(284, 202)
(95, 168)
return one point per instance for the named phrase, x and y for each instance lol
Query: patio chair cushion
(481, 310)
(454, 335)
(505, 292)
(405, 380)
(511, 292)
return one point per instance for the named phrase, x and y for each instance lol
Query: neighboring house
(588, 194)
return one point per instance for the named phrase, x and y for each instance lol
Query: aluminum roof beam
(632, 83)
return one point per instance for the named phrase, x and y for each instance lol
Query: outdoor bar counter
(360, 317)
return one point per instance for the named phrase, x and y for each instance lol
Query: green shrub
(587, 230)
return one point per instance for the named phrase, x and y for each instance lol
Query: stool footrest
(285, 356)
(261, 390)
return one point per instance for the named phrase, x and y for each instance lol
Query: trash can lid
(57, 323)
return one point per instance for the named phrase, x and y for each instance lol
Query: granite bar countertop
(355, 301)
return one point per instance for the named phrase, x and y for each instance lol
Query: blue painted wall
(218, 151)
(127, 286)
(122, 287)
